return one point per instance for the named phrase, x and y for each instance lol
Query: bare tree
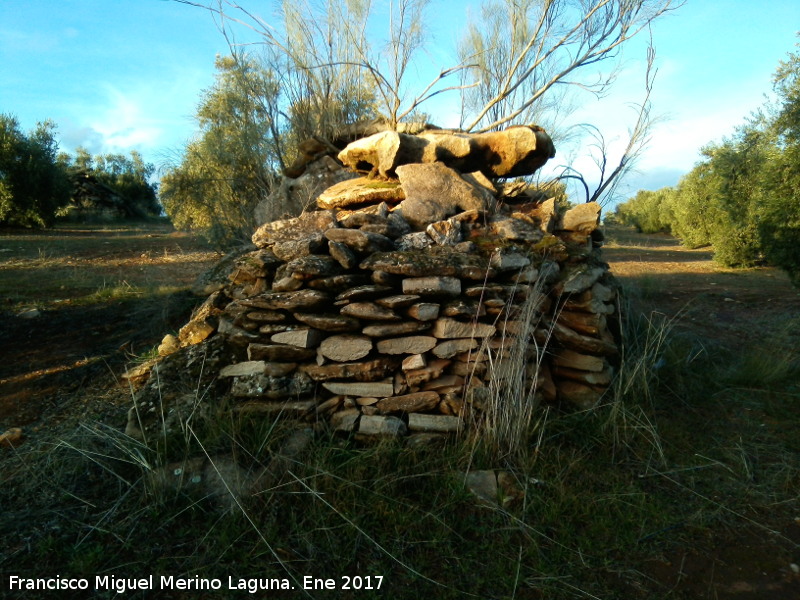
(518, 60)
(611, 174)
(326, 49)
(526, 50)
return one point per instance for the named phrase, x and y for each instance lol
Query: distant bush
(33, 183)
(744, 197)
(648, 212)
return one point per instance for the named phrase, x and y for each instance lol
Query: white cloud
(125, 123)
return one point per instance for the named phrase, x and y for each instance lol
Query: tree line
(38, 183)
(743, 197)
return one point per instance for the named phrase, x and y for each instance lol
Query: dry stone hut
(413, 297)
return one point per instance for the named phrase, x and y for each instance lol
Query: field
(684, 484)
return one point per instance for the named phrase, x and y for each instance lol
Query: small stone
(601, 378)
(379, 389)
(446, 328)
(360, 241)
(362, 190)
(376, 214)
(343, 255)
(251, 367)
(578, 394)
(302, 338)
(274, 388)
(586, 323)
(286, 284)
(364, 292)
(30, 313)
(300, 299)
(506, 261)
(369, 311)
(195, 332)
(313, 266)
(273, 328)
(169, 345)
(279, 353)
(583, 343)
(416, 402)
(416, 361)
(580, 279)
(371, 370)
(384, 278)
(286, 250)
(345, 420)
(329, 323)
(424, 311)
(415, 344)
(434, 369)
(514, 229)
(11, 438)
(583, 218)
(399, 301)
(450, 348)
(417, 240)
(308, 226)
(330, 405)
(440, 261)
(432, 286)
(337, 283)
(392, 329)
(464, 309)
(267, 316)
(381, 426)
(445, 383)
(279, 369)
(582, 362)
(366, 401)
(433, 423)
(346, 347)
(445, 233)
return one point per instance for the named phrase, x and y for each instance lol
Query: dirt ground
(107, 296)
(104, 296)
(728, 308)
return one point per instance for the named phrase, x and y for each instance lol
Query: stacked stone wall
(388, 313)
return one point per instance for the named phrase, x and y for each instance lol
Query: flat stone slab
(450, 348)
(296, 300)
(433, 423)
(291, 408)
(415, 344)
(391, 329)
(360, 241)
(381, 426)
(371, 370)
(345, 347)
(361, 190)
(309, 225)
(302, 338)
(445, 328)
(279, 353)
(376, 389)
(416, 402)
(273, 388)
(432, 286)
(329, 323)
(443, 261)
(369, 311)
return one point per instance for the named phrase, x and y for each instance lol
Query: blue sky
(117, 75)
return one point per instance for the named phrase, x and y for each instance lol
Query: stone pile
(412, 295)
